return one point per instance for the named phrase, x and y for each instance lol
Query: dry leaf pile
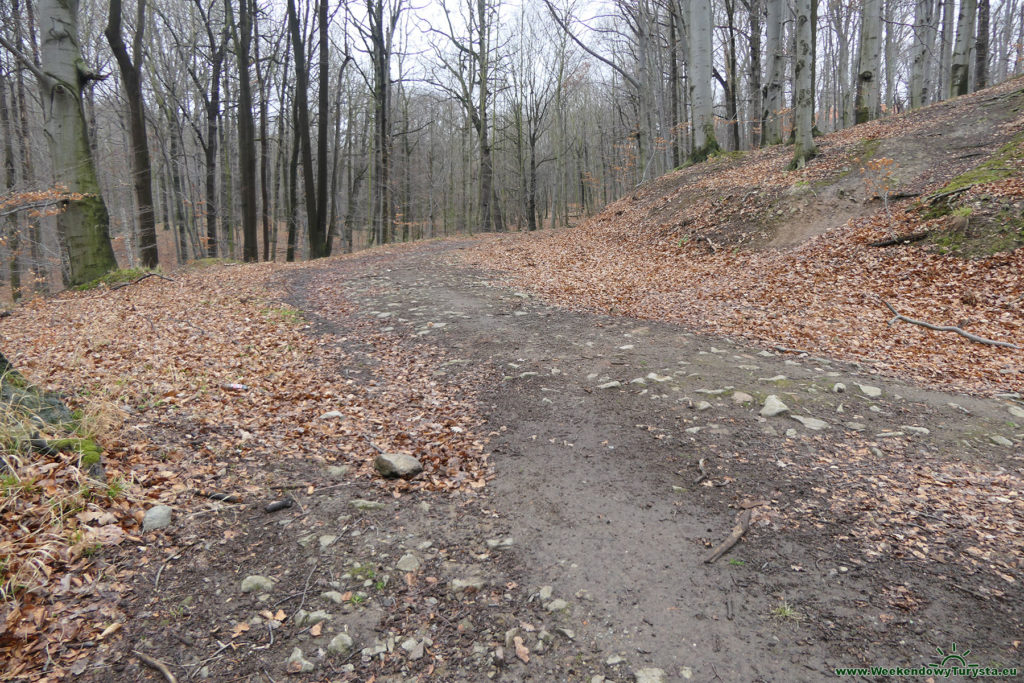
(200, 381)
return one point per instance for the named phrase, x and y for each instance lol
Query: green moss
(115, 277)
(998, 167)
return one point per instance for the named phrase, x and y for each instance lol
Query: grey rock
(397, 466)
(338, 471)
(327, 539)
(923, 431)
(740, 397)
(889, 435)
(304, 618)
(773, 406)
(334, 596)
(612, 660)
(649, 675)
(610, 385)
(812, 423)
(408, 563)
(702, 406)
(471, 585)
(1001, 440)
(360, 504)
(257, 584)
(506, 542)
(870, 391)
(655, 377)
(414, 648)
(556, 605)
(332, 415)
(791, 433)
(340, 644)
(157, 517)
(545, 592)
(1016, 412)
(296, 662)
(709, 392)
(776, 378)
(856, 426)
(838, 388)
(639, 380)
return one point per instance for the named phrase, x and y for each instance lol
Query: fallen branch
(714, 249)
(901, 239)
(223, 497)
(140, 279)
(742, 524)
(156, 664)
(948, 328)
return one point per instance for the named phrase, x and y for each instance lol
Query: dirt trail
(596, 488)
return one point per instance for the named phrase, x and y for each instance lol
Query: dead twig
(948, 328)
(156, 664)
(140, 279)
(742, 524)
(714, 249)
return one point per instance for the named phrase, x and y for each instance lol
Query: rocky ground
(885, 519)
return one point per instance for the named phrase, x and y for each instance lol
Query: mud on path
(890, 528)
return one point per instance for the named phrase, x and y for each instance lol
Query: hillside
(741, 246)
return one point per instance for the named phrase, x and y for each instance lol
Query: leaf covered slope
(712, 246)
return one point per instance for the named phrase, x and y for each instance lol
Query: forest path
(597, 485)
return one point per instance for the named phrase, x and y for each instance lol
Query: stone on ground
(397, 466)
(340, 644)
(408, 563)
(1001, 440)
(467, 585)
(812, 423)
(257, 584)
(649, 675)
(740, 397)
(157, 517)
(870, 391)
(773, 406)
(360, 504)
(1016, 412)
(299, 664)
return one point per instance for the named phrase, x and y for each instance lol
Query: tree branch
(41, 75)
(948, 328)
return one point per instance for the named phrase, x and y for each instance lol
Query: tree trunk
(13, 232)
(771, 116)
(804, 149)
(130, 67)
(981, 47)
(699, 67)
(754, 72)
(868, 81)
(318, 239)
(246, 131)
(84, 225)
(924, 43)
(946, 58)
(960, 71)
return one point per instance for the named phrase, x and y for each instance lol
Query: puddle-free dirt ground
(887, 523)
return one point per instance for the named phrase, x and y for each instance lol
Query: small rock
(639, 380)
(360, 504)
(304, 618)
(567, 633)
(467, 585)
(1016, 412)
(923, 431)
(791, 433)
(299, 664)
(693, 430)
(870, 391)
(257, 584)
(340, 644)
(610, 385)
(506, 542)
(626, 347)
(889, 435)
(740, 397)
(1001, 440)
(649, 675)
(157, 517)
(334, 414)
(338, 471)
(709, 392)
(812, 423)
(686, 672)
(397, 465)
(702, 406)
(556, 605)
(773, 406)
(334, 596)
(327, 539)
(545, 592)
(776, 378)
(653, 376)
(856, 426)
(612, 660)
(838, 388)
(408, 563)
